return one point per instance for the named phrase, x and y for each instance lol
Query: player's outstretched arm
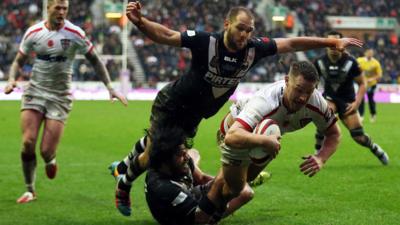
(101, 70)
(155, 31)
(238, 137)
(313, 163)
(17, 64)
(285, 45)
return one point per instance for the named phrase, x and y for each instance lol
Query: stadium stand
(162, 63)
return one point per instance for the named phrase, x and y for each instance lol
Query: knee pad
(357, 132)
(360, 137)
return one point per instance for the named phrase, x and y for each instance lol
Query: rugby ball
(266, 127)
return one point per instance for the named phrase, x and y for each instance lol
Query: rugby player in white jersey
(292, 103)
(47, 99)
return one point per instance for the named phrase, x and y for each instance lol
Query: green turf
(353, 188)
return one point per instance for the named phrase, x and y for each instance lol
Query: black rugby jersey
(172, 200)
(215, 73)
(338, 77)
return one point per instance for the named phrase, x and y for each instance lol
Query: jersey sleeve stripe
(74, 31)
(269, 123)
(271, 113)
(332, 123)
(33, 31)
(315, 109)
(244, 124)
(90, 49)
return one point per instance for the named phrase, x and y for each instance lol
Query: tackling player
(219, 62)
(339, 71)
(46, 99)
(176, 187)
(292, 103)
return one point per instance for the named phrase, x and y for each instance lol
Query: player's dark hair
(234, 11)
(304, 68)
(334, 33)
(165, 144)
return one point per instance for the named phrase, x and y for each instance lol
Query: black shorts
(168, 112)
(341, 103)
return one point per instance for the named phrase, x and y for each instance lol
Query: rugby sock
(138, 148)
(29, 168)
(319, 138)
(123, 186)
(134, 170)
(53, 161)
(367, 142)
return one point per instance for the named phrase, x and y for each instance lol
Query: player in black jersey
(339, 70)
(219, 62)
(175, 185)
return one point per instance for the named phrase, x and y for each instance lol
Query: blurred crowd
(312, 14)
(162, 63)
(17, 15)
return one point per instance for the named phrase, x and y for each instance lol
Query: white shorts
(51, 109)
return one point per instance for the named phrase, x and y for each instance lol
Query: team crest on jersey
(65, 43)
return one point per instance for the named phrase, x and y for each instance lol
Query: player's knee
(357, 132)
(28, 144)
(247, 194)
(358, 135)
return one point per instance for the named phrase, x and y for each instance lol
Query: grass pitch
(353, 188)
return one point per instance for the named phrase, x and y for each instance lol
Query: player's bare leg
(245, 196)
(30, 125)
(353, 124)
(52, 132)
(228, 185)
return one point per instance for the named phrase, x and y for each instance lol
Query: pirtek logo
(218, 81)
(229, 59)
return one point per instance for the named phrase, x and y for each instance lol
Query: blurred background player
(176, 187)
(219, 62)
(372, 70)
(339, 70)
(292, 103)
(46, 99)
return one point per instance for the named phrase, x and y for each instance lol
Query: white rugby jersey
(54, 51)
(268, 103)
